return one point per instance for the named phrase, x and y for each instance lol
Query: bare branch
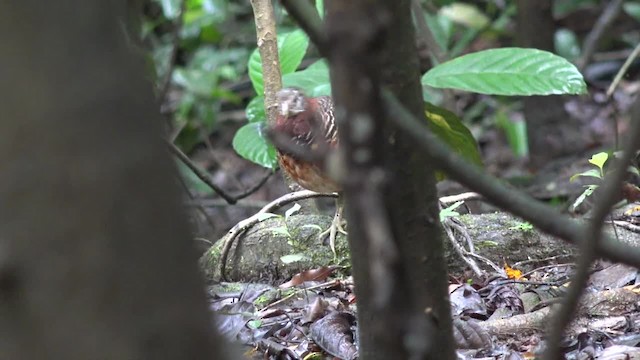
(309, 20)
(230, 199)
(605, 20)
(623, 70)
(542, 216)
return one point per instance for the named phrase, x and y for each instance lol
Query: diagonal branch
(609, 193)
(518, 203)
(230, 199)
(309, 20)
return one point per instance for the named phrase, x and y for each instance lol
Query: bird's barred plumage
(310, 123)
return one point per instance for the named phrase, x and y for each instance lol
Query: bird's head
(291, 101)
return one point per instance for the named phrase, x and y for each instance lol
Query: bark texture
(96, 259)
(390, 194)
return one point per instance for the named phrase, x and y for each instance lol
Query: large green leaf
(292, 47)
(255, 110)
(508, 71)
(448, 127)
(250, 143)
(314, 80)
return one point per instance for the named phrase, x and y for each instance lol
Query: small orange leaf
(512, 273)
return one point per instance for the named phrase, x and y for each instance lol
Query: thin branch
(607, 197)
(309, 20)
(460, 197)
(540, 215)
(605, 20)
(623, 70)
(245, 224)
(202, 175)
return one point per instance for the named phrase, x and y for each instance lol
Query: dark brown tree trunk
(550, 130)
(396, 246)
(96, 261)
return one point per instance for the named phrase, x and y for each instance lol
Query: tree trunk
(96, 259)
(550, 130)
(390, 194)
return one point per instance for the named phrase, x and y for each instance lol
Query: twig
(627, 225)
(309, 20)
(531, 261)
(230, 199)
(605, 20)
(525, 275)
(326, 284)
(245, 224)
(623, 70)
(460, 197)
(540, 215)
(462, 252)
(221, 203)
(609, 192)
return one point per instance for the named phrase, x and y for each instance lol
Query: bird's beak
(284, 109)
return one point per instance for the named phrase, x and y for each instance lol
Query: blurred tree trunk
(96, 261)
(390, 194)
(550, 130)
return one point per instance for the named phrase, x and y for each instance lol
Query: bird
(309, 124)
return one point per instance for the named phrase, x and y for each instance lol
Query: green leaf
(598, 160)
(587, 192)
(292, 47)
(255, 110)
(591, 173)
(288, 259)
(292, 210)
(250, 143)
(170, 8)
(265, 216)
(566, 44)
(632, 8)
(450, 211)
(320, 8)
(508, 71)
(292, 50)
(281, 230)
(314, 80)
(199, 82)
(448, 127)
(254, 324)
(515, 131)
(441, 27)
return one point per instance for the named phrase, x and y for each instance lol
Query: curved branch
(230, 199)
(245, 224)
